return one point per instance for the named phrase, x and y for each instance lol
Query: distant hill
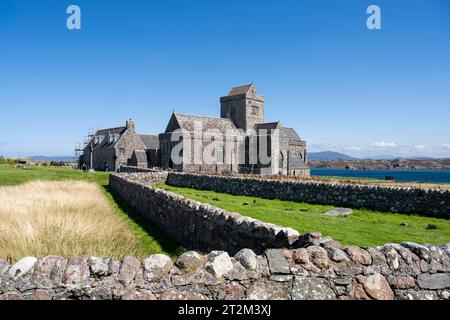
(329, 156)
(54, 158)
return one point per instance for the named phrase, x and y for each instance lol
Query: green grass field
(362, 227)
(150, 238)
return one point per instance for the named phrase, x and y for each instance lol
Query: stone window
(219, 155)
(255, 110)
(122, 151)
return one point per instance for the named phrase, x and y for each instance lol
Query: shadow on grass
(167, 242)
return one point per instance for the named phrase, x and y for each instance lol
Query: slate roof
(240, 90)
(150, 141)
(103, 135)
(267, 125)
(118, 130)
(186, 122)
(141, 155)
(295, 162)
(291, 134)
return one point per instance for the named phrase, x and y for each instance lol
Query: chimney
(130, 124)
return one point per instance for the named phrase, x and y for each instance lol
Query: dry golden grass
(66, 218)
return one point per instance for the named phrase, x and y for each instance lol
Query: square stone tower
(243, 106)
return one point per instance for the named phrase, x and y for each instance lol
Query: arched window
(281, 161)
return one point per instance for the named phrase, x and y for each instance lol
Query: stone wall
(323, 269)
(195, 225)
(429, 202)
(132, 169)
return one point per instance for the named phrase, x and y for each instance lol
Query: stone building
(108, 149)
(240, 141)
(224, 129)
(241, 126)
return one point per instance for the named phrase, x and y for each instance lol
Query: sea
(425, 176)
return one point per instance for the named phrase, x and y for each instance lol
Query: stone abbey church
(242, 110)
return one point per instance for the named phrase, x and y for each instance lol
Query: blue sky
(342, 86)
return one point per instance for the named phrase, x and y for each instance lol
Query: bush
(56, 163)
(4, 160)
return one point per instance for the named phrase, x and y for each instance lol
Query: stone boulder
(156, 267)
(377, 287)
(421, 251)
(336, 254)
(11, 295)
(189, 261)
(247, 258)
(359, 255)
(21, 267)
(77, 272)
(357, 292)
(434, 281)
(41, 294)
(301, 256)
(318, 256)
(48, 271)
(138, 295)
(128, 270)
(218, 263)
(311, 288)
(277, 261)
(100, 266)
(267, 290)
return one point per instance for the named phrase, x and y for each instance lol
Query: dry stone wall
(322, 269)
(197, 225)
(131, 169)
(429, 202)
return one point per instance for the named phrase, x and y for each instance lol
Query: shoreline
(396, 164)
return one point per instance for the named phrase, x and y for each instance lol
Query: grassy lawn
(149, 238)
(362, 227)
(13, 175)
